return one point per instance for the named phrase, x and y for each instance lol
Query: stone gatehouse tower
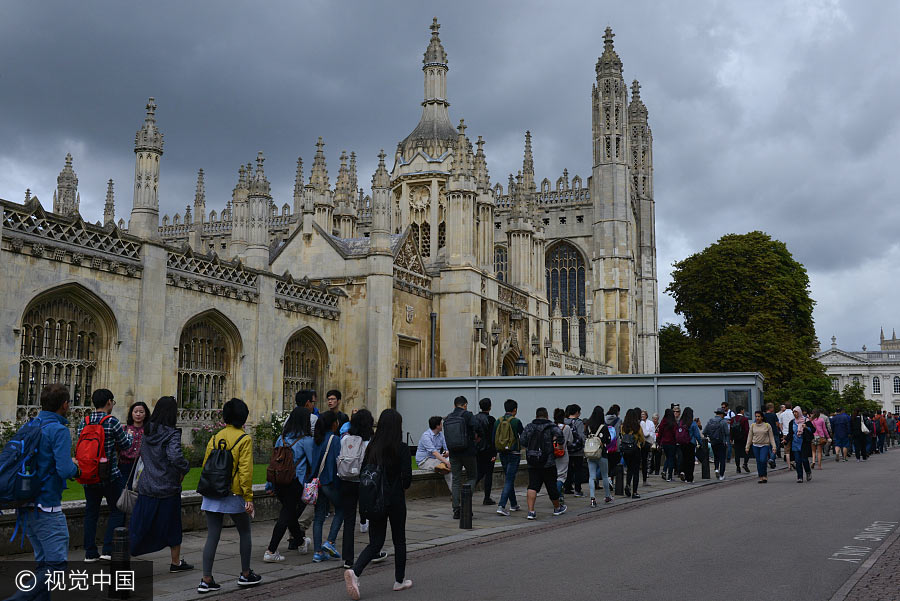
(432, 271)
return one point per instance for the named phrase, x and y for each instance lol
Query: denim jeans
(457, 464)
(761, 454)
(669, 450)
(598, 468)
(510, 463)
(93, 494)
(880, 445)
(328, 492)
(48, 533)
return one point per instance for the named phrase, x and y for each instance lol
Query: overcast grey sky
(778, 116)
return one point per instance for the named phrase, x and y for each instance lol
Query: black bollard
(465, 507)
(703, 458)
(620, 480)
(120, 560)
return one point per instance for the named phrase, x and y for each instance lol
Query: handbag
(311, 489)
(128, 498)
(442, 468)
(862, 425)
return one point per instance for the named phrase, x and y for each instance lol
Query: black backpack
(372, 503)
(456, 432)
(484, 431)
(577, 444)
(627, 442)
(536, 454)
(218, 471)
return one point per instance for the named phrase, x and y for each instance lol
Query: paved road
(738, 540)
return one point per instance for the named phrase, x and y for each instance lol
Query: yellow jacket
(242, 453)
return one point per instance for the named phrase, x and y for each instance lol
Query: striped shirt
(116, 439)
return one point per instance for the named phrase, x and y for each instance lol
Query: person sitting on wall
(432, 453)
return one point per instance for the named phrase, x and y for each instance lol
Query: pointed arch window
(304, 360)
(565, 272)
(204, 366)
(501, 263)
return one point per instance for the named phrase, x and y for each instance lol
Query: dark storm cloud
(772, 116)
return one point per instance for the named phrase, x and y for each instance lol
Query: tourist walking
(101, 476)
(485, 455)
(859, 430)
(156, 518)
(507, 431)
(841, 433)
(577, 469)
(821, 437)
(353, 448)
(761, 440)
(717, 431)
(295, 435)
(135, 424)
(647, 448)
(598, 466)
(772, 419)
(656, 452)
(740, 429)
(802, 435)
(459, 433)
(665, 437)
(387, 452)
(328, 446)
(631, 440)
(539, 439)
(562, 461)
(688, 438)
(237, 503)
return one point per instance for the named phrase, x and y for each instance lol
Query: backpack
(628, 443)
(559, 447)
(535, 454)
(593, 446)
(18, 466)
(372, 502)
(577, 444)
(456, 432)
(737, 428)
(90, 452)
(218, 471)
(682, 434)
(715, 434)
(282, 469)
(350, 457)
(483, 440)
(613, 445)
(505, 437)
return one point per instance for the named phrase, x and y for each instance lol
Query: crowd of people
(354, 470)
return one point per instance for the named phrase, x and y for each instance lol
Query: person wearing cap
(717, 431)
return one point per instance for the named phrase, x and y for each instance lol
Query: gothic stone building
(434, 272)
(878, 371)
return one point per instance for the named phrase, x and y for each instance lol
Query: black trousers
(349, 501)
(859, 445)
(291, 508)
(633, 469)
(740, 454)
(396, 515)
(719, 449)
(687, 461)
(484, 468)
(573, 477)
(656, 459)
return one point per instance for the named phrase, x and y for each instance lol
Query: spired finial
(260, 159)
(435, 26)
(28, 199)
(151, 110)
(635, 90)
(608, 37)
(320, 144)
(462, 127)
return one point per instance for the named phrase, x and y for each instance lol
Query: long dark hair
(632, 421)
(362, 424)
(130, 419)
(597, 419)
(297, 424)
(165, 413)
(388, 437)
(668, 418)
(559, 416)
(324, 425)
(687, 416)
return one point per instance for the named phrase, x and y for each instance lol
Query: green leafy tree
(678, 352)
(746, 305)
(854, 397)
(811, 392)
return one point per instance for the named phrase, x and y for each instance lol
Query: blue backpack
(18, 466)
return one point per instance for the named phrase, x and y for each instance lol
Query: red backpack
(90, 452)
(682, 434)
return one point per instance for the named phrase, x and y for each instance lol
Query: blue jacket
(840, 426)
(696, 437)
(304, 450)
(329, 470)
(54, 464)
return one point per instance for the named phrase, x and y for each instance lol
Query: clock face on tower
(418, 197)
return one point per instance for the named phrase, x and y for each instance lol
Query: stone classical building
(434, 271)
(878, 371)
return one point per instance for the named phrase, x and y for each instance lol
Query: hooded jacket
(164, 463)
(54, 460)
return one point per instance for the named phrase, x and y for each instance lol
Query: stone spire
(435, 52)
(66, 198)
(344, 199)
(320, 192)
(318, 177)
(460, 162)
(239, 216)
(556, 327)
(380, 236)
(148, 148)
(609, 64)
(200, 198)
(342, 184)
(298, 186)
(354, 180)
(259, 201)
(528, 185)
(637, 111)
(482, 177)
(109, 208)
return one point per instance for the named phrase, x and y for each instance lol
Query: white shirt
(649, 430)
(785, 418)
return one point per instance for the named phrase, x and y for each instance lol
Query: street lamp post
(521, 366)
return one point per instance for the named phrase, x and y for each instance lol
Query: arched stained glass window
(565, 272)
(501, 263)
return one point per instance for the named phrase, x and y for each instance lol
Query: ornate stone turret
(196, 238)
(148, 148)
(259, 201)
(380, 236)
(109, 207)
(298, 187)
(66, 199)
(354, 180)
(461, 204)
(484, 210)
(239, 215)
(574, 333)
(344, 200)
(323, 203)
(556, 328)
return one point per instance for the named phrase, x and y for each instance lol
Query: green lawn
(75, 492)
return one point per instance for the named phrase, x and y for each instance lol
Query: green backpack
(505, 438)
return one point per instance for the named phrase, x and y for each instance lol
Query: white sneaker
(351, 580)
(364, 527)
(272, 557)
(402, 586)
(303, 549)
(105, 557)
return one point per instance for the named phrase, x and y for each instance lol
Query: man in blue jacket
(44, 522)
(840, 433)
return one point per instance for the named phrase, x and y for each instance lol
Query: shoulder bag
(311, 489)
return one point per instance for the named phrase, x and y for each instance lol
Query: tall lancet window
(564, 268)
